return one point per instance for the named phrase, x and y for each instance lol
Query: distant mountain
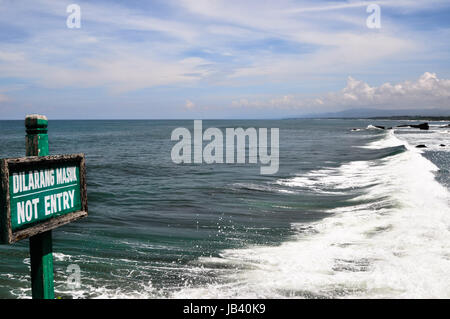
(370, 113)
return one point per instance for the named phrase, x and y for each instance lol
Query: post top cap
(36, 116)
(36, 121)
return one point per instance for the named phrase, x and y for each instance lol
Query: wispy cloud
(223, 49)
(3, 98)
(428, 91)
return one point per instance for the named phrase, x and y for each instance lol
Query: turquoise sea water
(349, 214)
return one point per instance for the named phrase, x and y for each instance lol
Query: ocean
(353, 212)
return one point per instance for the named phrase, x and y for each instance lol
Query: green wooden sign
(41, 193)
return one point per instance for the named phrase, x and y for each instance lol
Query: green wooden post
(40, 245)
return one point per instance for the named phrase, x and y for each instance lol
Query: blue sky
(221, 58)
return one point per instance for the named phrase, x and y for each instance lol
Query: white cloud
(428, 91)
(189, 105)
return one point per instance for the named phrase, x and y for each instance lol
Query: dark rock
(423, 126)
(442, 145)
(421, 146)
(380, 127)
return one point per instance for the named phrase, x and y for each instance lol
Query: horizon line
(246, 119)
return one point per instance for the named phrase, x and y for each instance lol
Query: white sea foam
(397, 246)
(331, 180)
(372, 127)
(390, 141)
